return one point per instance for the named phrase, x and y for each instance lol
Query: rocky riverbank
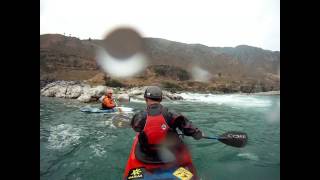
(87, 93)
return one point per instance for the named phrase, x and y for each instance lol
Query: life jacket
(155, 130)
(155, 136)
(108, 103)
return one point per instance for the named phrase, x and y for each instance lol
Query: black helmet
(153, 92)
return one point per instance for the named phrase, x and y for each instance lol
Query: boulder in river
(84, 98)
(171, 96)
(73, 91)
(97, 91)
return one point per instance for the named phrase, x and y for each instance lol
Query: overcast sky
(217, 23)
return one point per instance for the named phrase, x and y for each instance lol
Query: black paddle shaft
(231, 138)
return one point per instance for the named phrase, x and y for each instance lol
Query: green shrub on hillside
(183, 75)
(114, 83)
(171, 71)
(160, 70)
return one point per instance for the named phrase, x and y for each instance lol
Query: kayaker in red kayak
(158, 142)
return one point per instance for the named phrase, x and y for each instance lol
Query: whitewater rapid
(235, 100)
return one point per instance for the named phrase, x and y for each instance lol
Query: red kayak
(180, 168)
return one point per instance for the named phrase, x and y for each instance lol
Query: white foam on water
(62, 136)
(113, 126)
(249, 156)
(100, 137)
(107, 123)
(126, 109)
(98, 150)
(110, 124)
(137, 100)
(234, 100)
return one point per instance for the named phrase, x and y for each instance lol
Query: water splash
(98, 150)
(62, 136)
(234, 100)
(137, 100)
(249, 156)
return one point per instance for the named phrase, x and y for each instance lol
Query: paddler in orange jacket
(107, 100)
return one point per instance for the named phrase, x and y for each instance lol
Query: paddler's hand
(199, 135)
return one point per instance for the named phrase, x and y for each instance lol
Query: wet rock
(85, 93)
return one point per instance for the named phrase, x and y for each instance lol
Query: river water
(81, 146)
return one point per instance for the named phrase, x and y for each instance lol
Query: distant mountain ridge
(69, 58)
